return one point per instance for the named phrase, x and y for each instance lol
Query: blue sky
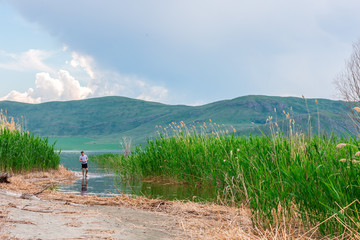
(176, 52)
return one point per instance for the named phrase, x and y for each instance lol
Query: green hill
(100, 123)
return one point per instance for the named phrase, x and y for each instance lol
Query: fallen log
(4, 177)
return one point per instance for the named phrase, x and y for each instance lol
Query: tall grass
(293, 176)
(22, 151)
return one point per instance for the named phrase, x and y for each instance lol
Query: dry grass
(74, 224)
(34, 181)
(9, 124)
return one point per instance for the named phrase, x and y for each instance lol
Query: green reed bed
(22, 151)
(295, 177)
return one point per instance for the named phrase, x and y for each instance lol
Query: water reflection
(84, 187)
(166, 190)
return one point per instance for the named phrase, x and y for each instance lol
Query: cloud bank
(32, 59)
(224, 47)
(63, 86)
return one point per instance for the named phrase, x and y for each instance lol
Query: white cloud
(85, 62)
(111, 83)
(64, 87)
(197, 103)
(155, 93)
(21, 97)
(32, 60)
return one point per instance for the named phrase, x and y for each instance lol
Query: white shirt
(83, 159)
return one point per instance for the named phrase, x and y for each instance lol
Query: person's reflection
(84, 187)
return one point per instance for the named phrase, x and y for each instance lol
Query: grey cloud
(234, 47)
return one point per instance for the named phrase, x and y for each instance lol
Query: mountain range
(101, 123)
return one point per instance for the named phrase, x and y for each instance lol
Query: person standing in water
(83, 159)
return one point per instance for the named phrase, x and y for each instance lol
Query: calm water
(104, 182)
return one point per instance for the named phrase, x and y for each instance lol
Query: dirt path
(49, 219)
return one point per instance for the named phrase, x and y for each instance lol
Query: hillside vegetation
(102, 122)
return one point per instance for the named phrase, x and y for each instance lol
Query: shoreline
(188, 219)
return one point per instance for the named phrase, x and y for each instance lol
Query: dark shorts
(84, 165)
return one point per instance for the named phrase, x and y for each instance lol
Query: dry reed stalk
(341, 145)
(351, 233)
(8, 124)
(126, 144)
(74, 224)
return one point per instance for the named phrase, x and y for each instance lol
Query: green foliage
(21, 151)
(276, 176)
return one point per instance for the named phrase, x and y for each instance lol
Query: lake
(105, 182)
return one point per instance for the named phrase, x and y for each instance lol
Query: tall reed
(292, 176)
(22, 151)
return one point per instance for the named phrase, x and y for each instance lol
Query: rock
(4, 177)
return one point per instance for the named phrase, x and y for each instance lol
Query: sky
(189, 52)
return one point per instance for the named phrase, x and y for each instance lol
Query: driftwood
(48, 186)
(33, 196)
(4, 177)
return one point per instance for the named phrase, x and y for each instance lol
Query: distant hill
(101, 122)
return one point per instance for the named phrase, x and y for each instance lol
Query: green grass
(275, 176)
(22, 151)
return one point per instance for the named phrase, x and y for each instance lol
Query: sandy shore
(49, 219)
(31, 208)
